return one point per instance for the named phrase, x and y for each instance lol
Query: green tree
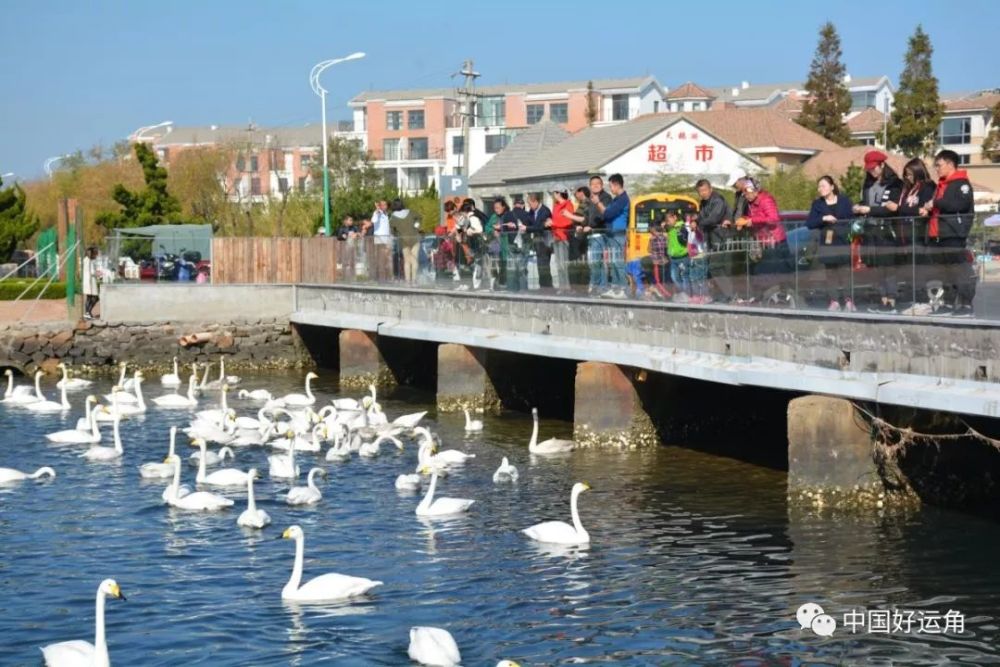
(918, 109)
(16, 223)
(991, 144)
(350, 166)
(153, 205)
(591, 104)
(853, 181)
(829, 100)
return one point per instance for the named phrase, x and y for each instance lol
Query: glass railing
(886, 267)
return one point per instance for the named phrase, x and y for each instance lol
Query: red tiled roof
(869, 120)
(689, 90)
(973, 103)
(836, 161)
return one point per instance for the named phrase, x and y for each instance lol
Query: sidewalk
(45, 310)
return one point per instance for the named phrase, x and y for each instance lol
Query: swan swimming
(223, 477)
(176, 400)
(42, 405)
(433, 646)
(472, 425)
(12, 475)
(255, 395)
(80, 653)
(560, 532)
(371, 449)
(73, 384)
(74, 436)
(550, 446)
(171, 379)
(251, 516)
(324, 588)
(20, 395)
(102, 453)
(449, 457)
(157, 469)
(283, 466)
(302, 400)
(306, 495)
(196, 500)
(505, 473)
(83, 423)
(408, 482)
(431, 506)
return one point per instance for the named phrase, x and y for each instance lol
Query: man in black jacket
(538, 214)
(713, 214)
(950, 221)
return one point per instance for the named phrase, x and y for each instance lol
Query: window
(302, 183)
(496, 142)
(417, 178)
(394, 120)
(492, 112)
(956, 131)
(559, 112)
(535, 113)
(255, 186)
(282, 185)
(253, 163)
(417, 149)
(389, 177)
(306, 161)
(868, 141)
(656, 106)
(390, 149)
(415, 120)
(619, 107)
(241, 163)
(862, 100)
(458, 145)
(963, 158)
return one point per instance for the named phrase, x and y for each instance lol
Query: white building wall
(684, 149)
(360, 119)
(645, 100)
(884, 96)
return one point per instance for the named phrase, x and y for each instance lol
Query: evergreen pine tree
(829, 99)
(591, 112)
(918, 110)
(16, 224)
(150, 206)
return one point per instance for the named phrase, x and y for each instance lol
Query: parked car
(30, 268)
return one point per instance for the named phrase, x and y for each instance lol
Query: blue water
(695, 560)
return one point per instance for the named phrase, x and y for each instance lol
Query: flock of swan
(288, 425)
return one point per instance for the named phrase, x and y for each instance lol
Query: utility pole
(468, 109)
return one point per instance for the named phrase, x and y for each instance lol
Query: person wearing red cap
(883, 186)
(947, 231)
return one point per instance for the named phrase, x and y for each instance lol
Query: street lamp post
(314, 75)
(137, 135)
(47, 165)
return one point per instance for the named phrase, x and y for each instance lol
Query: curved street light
(47, 165)
(314, 83)
(137, 135)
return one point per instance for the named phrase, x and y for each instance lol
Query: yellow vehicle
(652, 209)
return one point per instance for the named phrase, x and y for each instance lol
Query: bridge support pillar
(463, 381)
(361, 362)
(831, 458)
(607, 409)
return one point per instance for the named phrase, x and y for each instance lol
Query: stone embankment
(94, 347)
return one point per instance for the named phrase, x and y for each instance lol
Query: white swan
(171, 379)
(102, 453)
(122, 389)
(302, 400)
(12, 475)
(431, 506)
(228, 379)
(136, 405)
(408, 482)
(251, 516)
(302, 444)
(196, 500)
(449, 457)
(76, 437)
(425, 459)
(550, 446)
(83, 423)
(409, 421)
(472, 425)
(212, 431)
(219, 414)
(505, 473)
(223, 477)
(42, 405)
(324, 588)
(19, 395)
(73, 384)
(560, 532)
(212, 458)
(306, 495)
(340, 450)
(371, 449)
(176, 400)
(109, 414)
(157, 469)
(255, 395)
(283, 466)
(80, 653)
(433, 646)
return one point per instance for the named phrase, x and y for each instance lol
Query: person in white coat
(90, 283)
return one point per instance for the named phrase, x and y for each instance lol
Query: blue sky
(74, 74)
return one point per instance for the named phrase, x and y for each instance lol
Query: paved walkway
(45, 310)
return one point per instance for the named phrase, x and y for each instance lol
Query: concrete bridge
(820, 364)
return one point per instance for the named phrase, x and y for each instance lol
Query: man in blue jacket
(615, 217)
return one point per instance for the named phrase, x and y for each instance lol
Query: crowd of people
(710, 252)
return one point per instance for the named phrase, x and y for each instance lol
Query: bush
(11, 289)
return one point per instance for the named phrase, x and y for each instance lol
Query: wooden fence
(298, 260)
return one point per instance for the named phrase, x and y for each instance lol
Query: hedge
(11, 289)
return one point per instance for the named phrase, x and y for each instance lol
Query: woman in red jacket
(765, 223)
(560, 224)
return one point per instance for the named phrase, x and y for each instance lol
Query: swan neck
(201, 462)
(251, 501)
(296, 577)
(576, 513)
(138, 394)
(118, 436)
(176, 485)
(64, 401)
(309, 393)
(176, 370)
(429, 498)
(534, 431)
(38, 387)
(100, 643)
(95, 433)
(312, 479)
(10, 386)
(173, 440)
